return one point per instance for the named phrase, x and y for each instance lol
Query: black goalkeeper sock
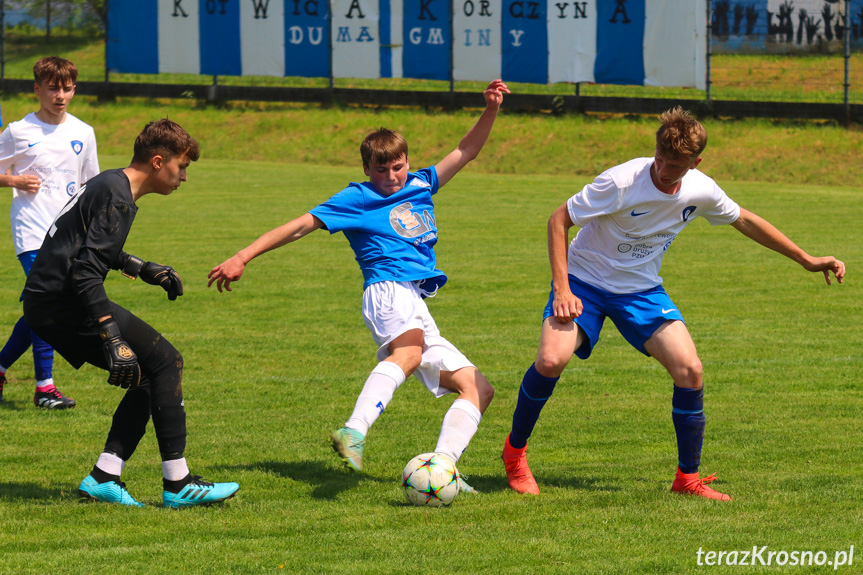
(103, 476)
(176, 486)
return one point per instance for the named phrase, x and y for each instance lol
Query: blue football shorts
(27, 259)
(636, 315)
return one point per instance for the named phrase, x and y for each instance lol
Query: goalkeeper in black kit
(66, 304)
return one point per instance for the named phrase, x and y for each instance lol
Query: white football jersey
(63, 156)
(627, 224)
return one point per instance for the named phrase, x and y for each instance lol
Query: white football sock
(45, 382)
(110, 464)
(459, 426)
(175, 469)
(377, 392)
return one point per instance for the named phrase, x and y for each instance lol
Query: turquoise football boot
(199, 492)
(349, 444)
(108, 492)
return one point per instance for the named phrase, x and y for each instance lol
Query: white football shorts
(392, 308)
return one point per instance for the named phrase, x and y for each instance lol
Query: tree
(54, 12)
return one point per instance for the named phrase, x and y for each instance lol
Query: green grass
(274, 366)
(794, 152)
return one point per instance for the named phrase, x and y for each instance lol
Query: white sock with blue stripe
(377, 392)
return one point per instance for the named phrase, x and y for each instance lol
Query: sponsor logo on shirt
(70, 189)
(33, 144)
(77, 146)
(635, 214)
(688, 212)
(419, 183)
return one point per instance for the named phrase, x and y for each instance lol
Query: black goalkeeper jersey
(84, 243)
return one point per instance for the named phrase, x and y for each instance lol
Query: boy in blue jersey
(390, 224)
(628, 216)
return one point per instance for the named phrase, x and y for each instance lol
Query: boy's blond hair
(382, 147)
(680, 135)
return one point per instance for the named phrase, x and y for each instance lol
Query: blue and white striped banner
(650, 42)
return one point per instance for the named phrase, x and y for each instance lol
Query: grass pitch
(274, 366)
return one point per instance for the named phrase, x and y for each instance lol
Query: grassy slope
(739, 150)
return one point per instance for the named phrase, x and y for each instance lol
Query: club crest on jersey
(77, 146)
(409, 224)
(70, 189)
(688, 212)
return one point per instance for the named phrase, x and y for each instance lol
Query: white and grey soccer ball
(430, 480)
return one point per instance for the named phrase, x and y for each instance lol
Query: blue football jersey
(393, 236)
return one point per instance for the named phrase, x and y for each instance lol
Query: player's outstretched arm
(565, 305)
(474, 140)
(760, 230)
(231, 270)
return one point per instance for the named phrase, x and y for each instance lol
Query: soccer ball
(430, 479)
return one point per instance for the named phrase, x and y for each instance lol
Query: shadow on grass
(12, 405)
(327, 482)
(497, 483)
(12, 491)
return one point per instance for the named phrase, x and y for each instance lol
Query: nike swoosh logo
(31, 145)
(668, 310)
(634, 214)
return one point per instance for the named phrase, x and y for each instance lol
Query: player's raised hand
(494, 93)
(228, 271)
(826, 265)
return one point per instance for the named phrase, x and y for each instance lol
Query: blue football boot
(199, 492)
(108, 492)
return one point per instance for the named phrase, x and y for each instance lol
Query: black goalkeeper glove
(165, 276)
(153, 274)
(122, 361)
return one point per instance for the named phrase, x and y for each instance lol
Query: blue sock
(534, 392)
(17, 344)
(43, 358)
(687, 413)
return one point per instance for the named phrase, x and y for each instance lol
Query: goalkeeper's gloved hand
(122, 361)
(165, 276)
(153, 274)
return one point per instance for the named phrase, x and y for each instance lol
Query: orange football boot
(691, 484)
(517, 472)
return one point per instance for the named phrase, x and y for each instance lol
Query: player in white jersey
(628, 216)
(390, 224)
(44, 157)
